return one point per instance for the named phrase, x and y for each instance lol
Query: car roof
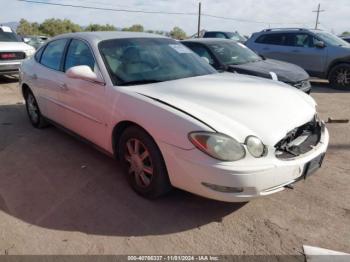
(226, 32)
(107, 35)
(207, 40)
(281, 30)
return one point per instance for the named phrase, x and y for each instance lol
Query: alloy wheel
(343, 76)
(139, 161)
(33, 109)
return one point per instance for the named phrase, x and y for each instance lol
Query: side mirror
(320, 44)
(262, 57)
(205, 59)
(84, 72)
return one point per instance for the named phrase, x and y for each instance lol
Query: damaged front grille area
(300, 140)
(302, 84)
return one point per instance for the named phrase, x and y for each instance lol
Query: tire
(339, 77)
(143, 163)
(33, 111)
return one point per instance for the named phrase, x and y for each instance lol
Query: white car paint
(15, 46)
(12, 66)
(233, 104)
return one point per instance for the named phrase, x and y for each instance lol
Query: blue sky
(274, 13)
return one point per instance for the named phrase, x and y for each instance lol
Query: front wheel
(143, 163)
(33, 111)
(339, 77)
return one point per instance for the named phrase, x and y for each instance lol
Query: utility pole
(199, 19)
(318, 11)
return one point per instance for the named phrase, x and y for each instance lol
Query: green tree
(178, 33)
(346, 33)
(97, 27)
(134, 28)
(52, 27)
(27, 28)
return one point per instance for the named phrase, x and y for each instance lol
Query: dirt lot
(60, 196)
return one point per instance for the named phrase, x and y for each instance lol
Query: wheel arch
(118, 130)
(336, 63)
(25, 88)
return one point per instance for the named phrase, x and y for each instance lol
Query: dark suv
(320, 53)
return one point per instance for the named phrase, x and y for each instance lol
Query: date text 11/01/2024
(173, 258)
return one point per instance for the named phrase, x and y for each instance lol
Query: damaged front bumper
(239, 181)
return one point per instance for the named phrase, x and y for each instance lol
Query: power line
(251, 21)
(155, 12)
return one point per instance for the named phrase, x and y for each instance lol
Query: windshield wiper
(140, 82)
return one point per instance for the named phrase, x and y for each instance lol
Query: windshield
(332, 39)
(149, 60)
(231, 53)
(236, 37)
(8, 36)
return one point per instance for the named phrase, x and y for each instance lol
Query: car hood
(235, 104)
(286, 72)
(14, 46)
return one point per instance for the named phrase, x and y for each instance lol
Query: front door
(84, 101)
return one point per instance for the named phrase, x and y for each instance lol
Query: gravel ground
(60, 196)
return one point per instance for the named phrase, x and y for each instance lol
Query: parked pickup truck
(12, 51)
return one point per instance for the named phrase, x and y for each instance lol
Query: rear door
(48, 79)
(270, 46)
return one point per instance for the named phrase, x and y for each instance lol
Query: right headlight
(255, 146)
(218, 146)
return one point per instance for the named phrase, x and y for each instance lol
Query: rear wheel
(339, 77)
(33, 111)
(143, 163)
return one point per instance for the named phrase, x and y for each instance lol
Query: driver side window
(78, 54)
(203, 52)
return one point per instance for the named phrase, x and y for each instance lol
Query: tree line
(52, 27)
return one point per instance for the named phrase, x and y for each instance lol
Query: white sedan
(171, 119)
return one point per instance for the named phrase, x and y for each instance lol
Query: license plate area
(312, 166)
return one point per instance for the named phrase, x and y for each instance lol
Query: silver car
(320, 53)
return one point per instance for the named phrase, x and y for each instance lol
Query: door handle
(34, 76)
(295, 51)
(64, 87)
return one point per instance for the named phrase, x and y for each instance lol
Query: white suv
(12, 51)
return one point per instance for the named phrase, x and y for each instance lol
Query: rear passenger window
(220, 35)
(214, 35)
(78, 54)
(210, 34)
(271, 39)
(53, 53)
(39, 53)
(298, 40)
